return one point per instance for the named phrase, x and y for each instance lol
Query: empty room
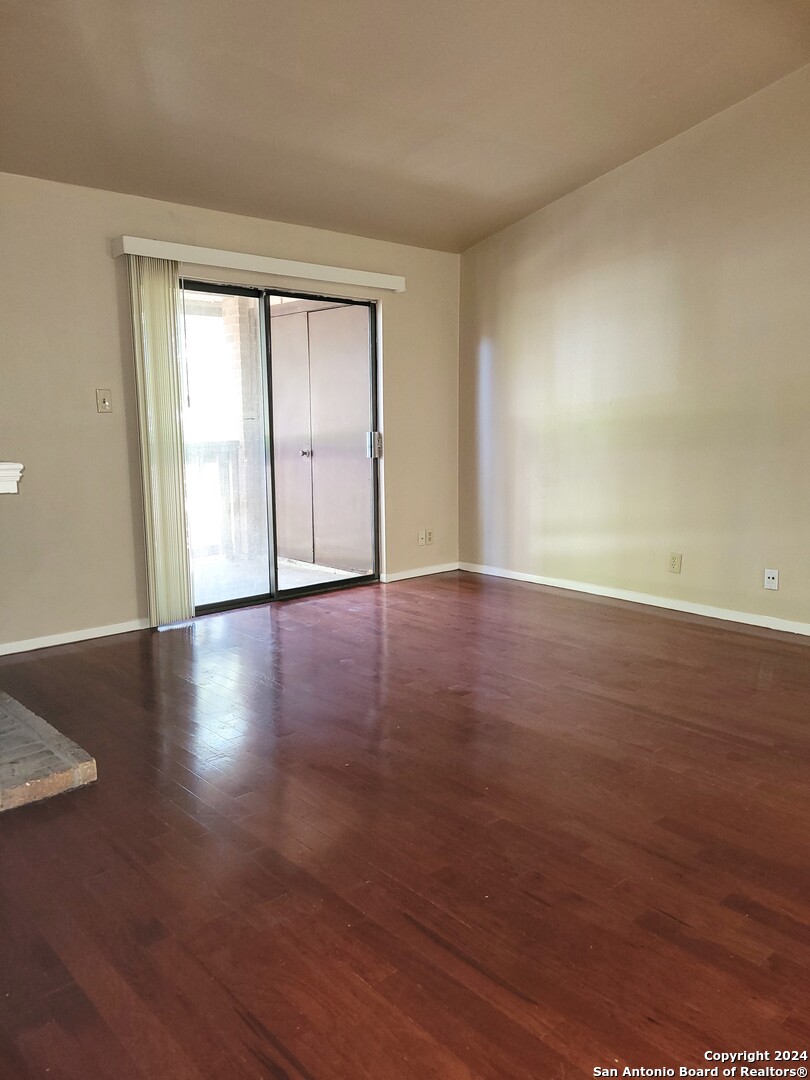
(404, 530)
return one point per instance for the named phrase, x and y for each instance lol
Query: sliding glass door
(281, 497)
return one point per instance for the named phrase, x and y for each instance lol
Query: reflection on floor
(293, 574)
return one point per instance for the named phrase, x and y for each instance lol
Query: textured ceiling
(432, 122)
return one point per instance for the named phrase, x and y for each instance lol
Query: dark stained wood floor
(453, 827)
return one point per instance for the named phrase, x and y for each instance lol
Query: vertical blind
(154, 292)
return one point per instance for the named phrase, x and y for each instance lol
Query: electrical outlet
(771, 580)
(421, 539)
(103, 401)
(675, 562)
(428, 536)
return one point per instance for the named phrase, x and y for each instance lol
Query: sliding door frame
(374, 576)
(263, 296)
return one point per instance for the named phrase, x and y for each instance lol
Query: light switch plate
(104, 401)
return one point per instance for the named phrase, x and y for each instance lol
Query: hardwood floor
(451, 827)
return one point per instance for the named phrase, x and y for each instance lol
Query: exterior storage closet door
(340, 409)
(292, 438)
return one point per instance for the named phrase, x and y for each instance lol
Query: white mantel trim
(10, 475)
(263, 264)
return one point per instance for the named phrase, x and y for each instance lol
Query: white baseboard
(746, 617)
(420, 571)
(8, 647)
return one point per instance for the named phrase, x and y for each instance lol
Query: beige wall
(635, 372)
(71, 540)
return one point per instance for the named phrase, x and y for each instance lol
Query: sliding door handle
(374, 444)
(305, 453)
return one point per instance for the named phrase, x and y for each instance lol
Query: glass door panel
(224, 431)
(322, 412)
